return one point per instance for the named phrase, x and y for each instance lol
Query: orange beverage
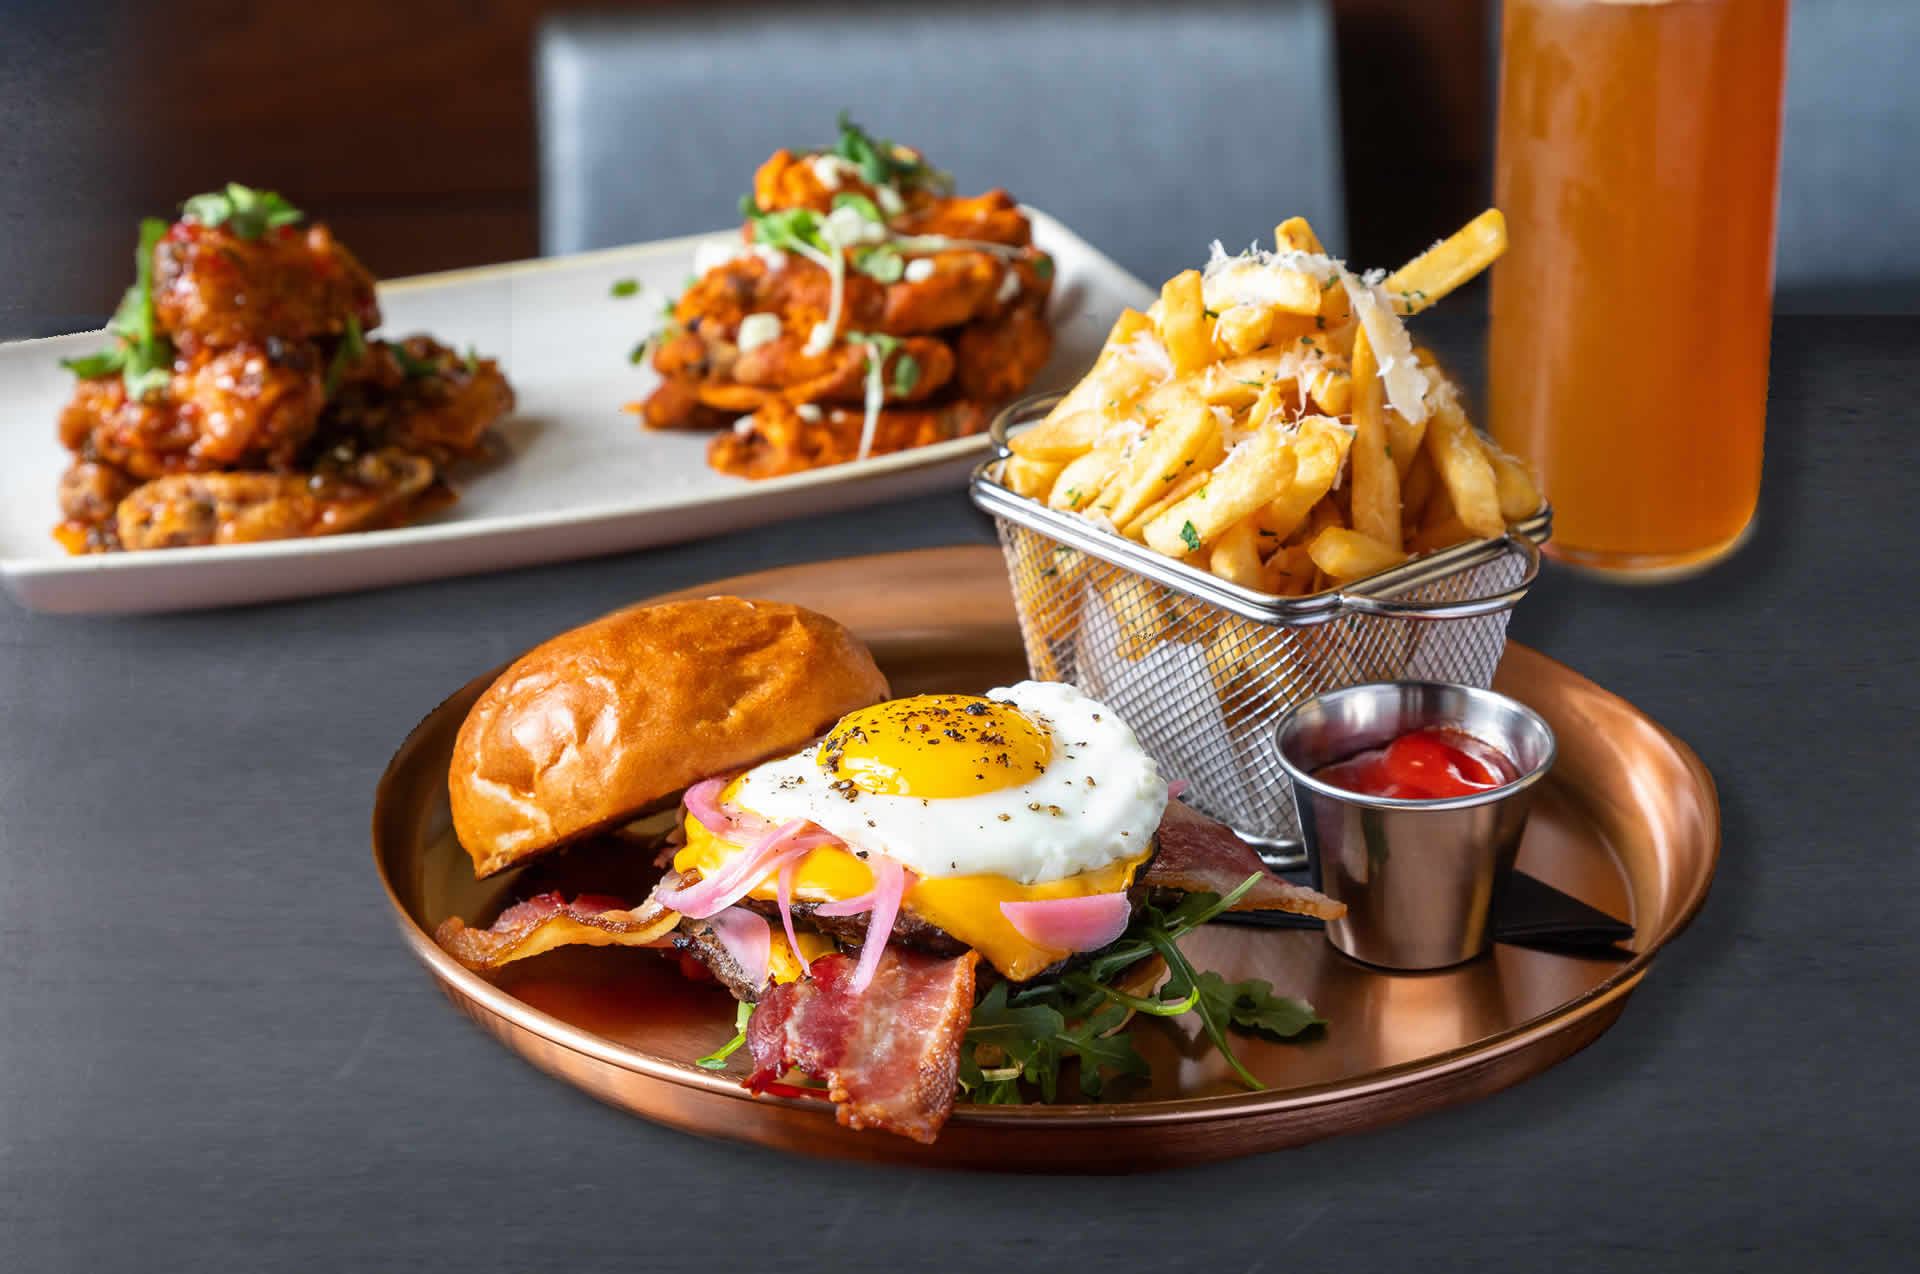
(1638, 160)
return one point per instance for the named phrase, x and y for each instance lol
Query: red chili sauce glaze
(1423, 765)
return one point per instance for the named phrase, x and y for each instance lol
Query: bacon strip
(890, 1055)
(1198, 855)
(547, 921)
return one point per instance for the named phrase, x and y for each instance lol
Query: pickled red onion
(746, 870)
(883, 901)
(703, 802)
(1071, 924)
(1175, 787)
(748, 939)
(783, 892)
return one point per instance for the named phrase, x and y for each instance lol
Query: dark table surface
(215, 1054)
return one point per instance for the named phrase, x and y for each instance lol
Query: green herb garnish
(717, 1060)
(247, 212)
(624, 287)
(906, 374)
(143, 355)
(860, 204)
(412, 368)
(1043, 266)
(881, 163)
(1190, 537)
(1025, 1034)
(883, 263)
(351, 349)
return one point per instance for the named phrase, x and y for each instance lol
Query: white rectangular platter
(583, 479)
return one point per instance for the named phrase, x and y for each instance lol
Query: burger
(912, 899)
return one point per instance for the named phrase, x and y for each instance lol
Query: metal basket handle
(1492, 603)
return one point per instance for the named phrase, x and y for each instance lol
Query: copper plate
(1628, 821)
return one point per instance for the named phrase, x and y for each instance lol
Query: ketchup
(1423, 765)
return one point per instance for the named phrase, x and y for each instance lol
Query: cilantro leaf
(881, 163)
(1043, 266)
(790, 230)
(882, 263)
(249, 213)
(859, 203)
(102, 363)
(624, 287)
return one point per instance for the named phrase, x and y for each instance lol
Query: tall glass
(1638, 163)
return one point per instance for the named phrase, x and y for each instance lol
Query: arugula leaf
(624, 287)
(1181, 979)
(717, 1060)
(249, 213)
(1252, 1006)
(1036, 1040)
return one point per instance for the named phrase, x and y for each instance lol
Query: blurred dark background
(411, 128)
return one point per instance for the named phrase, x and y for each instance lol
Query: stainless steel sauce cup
(1419, 877)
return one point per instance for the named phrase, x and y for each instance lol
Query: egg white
(1098, 801)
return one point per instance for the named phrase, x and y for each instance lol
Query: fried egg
(1032, 791)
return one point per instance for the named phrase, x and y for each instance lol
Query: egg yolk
(936, 746)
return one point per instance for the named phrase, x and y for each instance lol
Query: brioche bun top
(588, 729)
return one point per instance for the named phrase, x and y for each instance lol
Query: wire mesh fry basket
(1202, 668)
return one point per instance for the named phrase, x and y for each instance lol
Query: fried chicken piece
(778, 439)
(963, 285)
(788, 180)
(213, 289)
(676, 405)
(239, 508)
(998, 358)
(249, 405)
(420, 396)
(993, 218)
(839, 374)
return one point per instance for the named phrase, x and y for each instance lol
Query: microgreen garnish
(473, 360)
(1026, 1034)
(249, 213)
(883, 264)
(1043, 266)
(859, 203)
(143, 355)
(881, 163)
(624, 287)
(717, 1060)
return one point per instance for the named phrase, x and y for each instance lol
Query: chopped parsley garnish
(142, 355)
(624, 287)
(247, 212)
(1026, 1034)
(1043, 266)
(1190, 537)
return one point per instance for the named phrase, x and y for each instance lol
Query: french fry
(1112, 369)
(1323, 515)
(1081, 480)
(1136, 529)
(1403, 442)
(1059, 439)
(1289, 572)
(1242, 329)
(1416, 489)
(1183, 323)
(1234, 491)
(1463, 469)
(1183, 441)
(1376, 483)
(1235, 556)
(1513, 483)
(1030, 478)
(1295, 235)
(1288, 291)
(1449, 263)
(1350, 555)
(1444, 533)
(1320, 450)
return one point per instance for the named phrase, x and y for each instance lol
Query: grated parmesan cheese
(1145, 349)
(1405, 380)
